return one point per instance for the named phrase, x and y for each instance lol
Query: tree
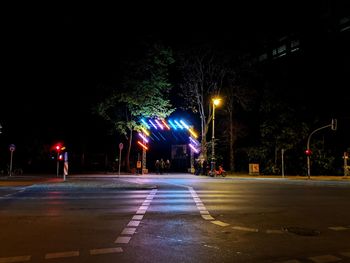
(143, 92)
(203, 72)
(239, 95)
(281, 128)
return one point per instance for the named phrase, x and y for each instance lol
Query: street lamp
(216, 102)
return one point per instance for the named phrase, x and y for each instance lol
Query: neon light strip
(143, 137)
(172, 124)
(145, 123)
(193, 141)
(178, 124)
(142, 145)
(193, 148)
(194, 134)
(145, 131)
(160, 125)
(184, 124)
(153, 124)
(166, 125)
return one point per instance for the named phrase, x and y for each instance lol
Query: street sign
(12, 147)
(121, 146)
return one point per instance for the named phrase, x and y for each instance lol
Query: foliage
(143, 92)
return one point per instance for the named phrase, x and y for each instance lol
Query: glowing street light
(216, 102)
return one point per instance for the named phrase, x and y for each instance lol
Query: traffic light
(308, 152)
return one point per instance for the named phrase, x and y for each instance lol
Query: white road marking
(143, 207)
(122, 240)
(205, 212)
(140, 212)
(324, 259)
(66, 254)
(219, 223)
(133, 223)
(208, 217)
(129, 231)
(338, 228)
(248, 229)
(201, 208)
(100, 251)
(137, 217)
(272, 231)
(15, 259)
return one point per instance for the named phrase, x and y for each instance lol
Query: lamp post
(216, 102)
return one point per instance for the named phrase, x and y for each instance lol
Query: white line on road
(129, 231)
(122, 240)
(208, 217)
(325, 259)
(65, 254)
(100, 251)
(219, 223)
(274, 231)
(248, 229)
(15, 259)
(140, 212)
(338, 228)
(133, 223)
(137, 217)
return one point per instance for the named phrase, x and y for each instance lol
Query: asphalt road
(176, 218)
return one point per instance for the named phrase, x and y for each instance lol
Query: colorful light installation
(193, 148)
(142, 145)
(143, 137)
(163, 124)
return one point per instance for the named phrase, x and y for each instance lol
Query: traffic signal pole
(333, 125)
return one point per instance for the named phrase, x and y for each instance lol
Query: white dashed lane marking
(101, 251)
(15, 259)
(338, 228)
(122, 240)
(325, 259)
(66, 254)
(247, 229)
(125, 236)
(129, 231)
(203, 210)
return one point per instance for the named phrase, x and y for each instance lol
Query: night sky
(55, 57)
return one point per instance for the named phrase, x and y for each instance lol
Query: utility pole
(333, 126)
(282, 151)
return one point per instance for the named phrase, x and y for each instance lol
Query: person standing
(167, 166)
(162, 166)
(157, 166)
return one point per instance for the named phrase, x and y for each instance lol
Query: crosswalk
(140, 204)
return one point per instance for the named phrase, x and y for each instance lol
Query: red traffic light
(308, 152)
(58, 147)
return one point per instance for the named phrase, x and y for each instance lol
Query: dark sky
(54, 55)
